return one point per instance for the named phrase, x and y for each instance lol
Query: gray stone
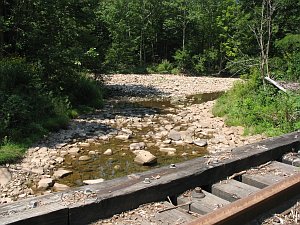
(45, 183)
(174, 135)
(84, 158)
(96, 181)
(5, 176)
(200, 142)
(60, 187)
(145, 158)
(61, 173)
(137, 146)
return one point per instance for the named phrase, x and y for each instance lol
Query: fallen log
(275, 84)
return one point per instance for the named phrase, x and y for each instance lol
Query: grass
(10, 152)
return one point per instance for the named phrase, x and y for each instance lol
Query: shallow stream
(121, 162)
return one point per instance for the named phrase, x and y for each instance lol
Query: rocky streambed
(149, 121)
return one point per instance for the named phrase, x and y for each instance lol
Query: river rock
(39, 170)
(174, 135)
(92, 153)
(124, 136)
(73, 151)
(167, 141)
(167, 150)
(84, 144)
(145, 158)
(61, 173)
(137, 146)
(96, 181)
(187, 137)
(5, 176)
(127, 131)
(59, 159)
(108, 152)
(60, 187)
(117, 167)
(200, 142)
(84, 158)
(45, 183)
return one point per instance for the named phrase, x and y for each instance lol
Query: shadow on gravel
(117, 90)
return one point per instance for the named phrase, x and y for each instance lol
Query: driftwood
(276, 84)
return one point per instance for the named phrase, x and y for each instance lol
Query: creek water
(121, 162)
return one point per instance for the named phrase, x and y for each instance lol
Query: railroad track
(228, 188)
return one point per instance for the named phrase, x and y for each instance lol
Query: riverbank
(156, 113)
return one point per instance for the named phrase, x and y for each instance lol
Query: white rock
(145, 158)
(39, 170)
(73, 151)
(84, 158)
(59, 159)
(83, 144)
(174, 135)
(200, 142)
(108, 152)
(45, 183)
(137, 146)
(61, 173)
(171, 154)
(124, 136)
(167, 150)
(96, 181)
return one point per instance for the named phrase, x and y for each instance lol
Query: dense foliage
(49, 49)
(260, 109)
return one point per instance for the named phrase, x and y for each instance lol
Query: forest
(53, 53)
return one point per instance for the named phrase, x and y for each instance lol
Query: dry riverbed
(149, 121)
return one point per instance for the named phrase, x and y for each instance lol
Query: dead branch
(174, 207)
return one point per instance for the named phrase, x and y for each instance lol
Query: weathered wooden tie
(232, 190)
(247, 208)
(203, 205)
(122, 194)
(276, 172)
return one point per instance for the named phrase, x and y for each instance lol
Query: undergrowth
(31, 106)
(259, 108)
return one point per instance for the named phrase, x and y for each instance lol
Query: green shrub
(164, 67)
(9, 152)
(85, 91)
(260, 109)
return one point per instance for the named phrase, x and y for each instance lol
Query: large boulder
(145, 158)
